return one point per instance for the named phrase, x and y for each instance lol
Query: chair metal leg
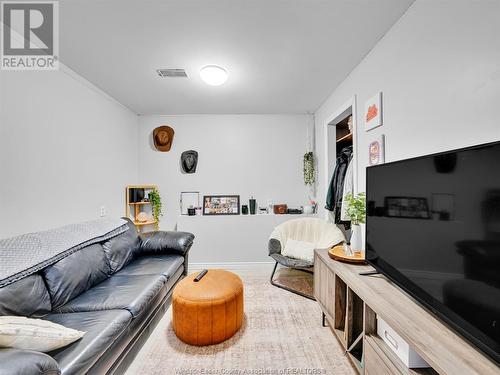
(289, 289)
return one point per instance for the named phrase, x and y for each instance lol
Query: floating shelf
(347, 137)
(133, 209)
(141, 223)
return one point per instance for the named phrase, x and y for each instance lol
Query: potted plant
(356, 211)
(309, 169)
(155, 199)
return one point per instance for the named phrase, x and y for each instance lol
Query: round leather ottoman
(209, 311)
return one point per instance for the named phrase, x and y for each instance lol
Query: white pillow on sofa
(299, 250)
(35, 334)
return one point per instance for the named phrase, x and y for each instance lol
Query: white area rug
(281, 334)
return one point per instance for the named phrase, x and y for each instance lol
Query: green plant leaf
(309, 168)
(356, 208)
(155, 199)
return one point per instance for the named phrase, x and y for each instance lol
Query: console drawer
(376, 363)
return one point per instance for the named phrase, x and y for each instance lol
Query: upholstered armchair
(320, 233)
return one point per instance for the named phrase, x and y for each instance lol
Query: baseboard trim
(233, 265)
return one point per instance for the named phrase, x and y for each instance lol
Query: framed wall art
(376, 151)
(221, 205)
(407, 207)
(373, 112)
(189, 199)
(443, 205)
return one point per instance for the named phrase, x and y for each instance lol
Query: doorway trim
(351, 103)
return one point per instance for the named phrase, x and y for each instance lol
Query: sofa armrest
(166, 242)
(27, 362)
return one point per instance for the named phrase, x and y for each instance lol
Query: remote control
(200, 276)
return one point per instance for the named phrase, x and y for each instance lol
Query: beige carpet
(281, 334)
(294, 279)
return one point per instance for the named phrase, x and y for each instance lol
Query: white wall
(249, 155)
(66, 149)
(231, 241)
(439, 70)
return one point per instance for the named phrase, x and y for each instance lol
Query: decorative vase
(356, 238)
(308, 210)
(244, 209)
(252, 203)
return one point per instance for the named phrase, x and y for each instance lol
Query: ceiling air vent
(171, 73)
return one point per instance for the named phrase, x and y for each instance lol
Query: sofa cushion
(27, 362)
(24, 333)
(299, 250)
(76, 273)
(130, 292)
(165, 265)
(26, 297)
(102, 327)
(120, 250)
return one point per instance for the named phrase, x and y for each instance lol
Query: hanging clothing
(348, 189)
(335, 191)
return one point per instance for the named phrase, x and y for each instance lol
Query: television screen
(433, 227)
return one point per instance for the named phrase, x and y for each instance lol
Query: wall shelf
(347, 137)
(142, 223)
(133, 209)
(288, 216)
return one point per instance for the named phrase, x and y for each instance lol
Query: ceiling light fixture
(214, 75)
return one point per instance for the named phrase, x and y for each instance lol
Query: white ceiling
(284, 56)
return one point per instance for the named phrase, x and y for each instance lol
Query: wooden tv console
(351, 303)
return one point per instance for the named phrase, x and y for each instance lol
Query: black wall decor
(445, 163)
(189, 161)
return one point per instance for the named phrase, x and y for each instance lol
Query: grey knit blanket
(29, 253)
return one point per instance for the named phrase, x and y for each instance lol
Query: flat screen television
(433, 228)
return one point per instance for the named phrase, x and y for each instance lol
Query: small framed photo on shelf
(221, 205)
(189, 200)
(443, 205)
(373, 112)
(407, 207)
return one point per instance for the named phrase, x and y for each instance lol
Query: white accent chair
(322, 234)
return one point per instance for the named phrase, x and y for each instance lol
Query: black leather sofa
(115, 291)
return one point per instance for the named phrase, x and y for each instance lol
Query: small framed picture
(189, 199)
(373, 112)
(376, 151)
(407, 207)
(221, 205)
(443, 205)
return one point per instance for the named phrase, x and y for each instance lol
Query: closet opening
(340, 163)
(343, 131)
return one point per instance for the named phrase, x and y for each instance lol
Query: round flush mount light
(214, 75)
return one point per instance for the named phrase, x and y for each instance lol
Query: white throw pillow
(35, 334)
(299, 250)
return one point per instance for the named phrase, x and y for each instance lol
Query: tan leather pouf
(209, 311)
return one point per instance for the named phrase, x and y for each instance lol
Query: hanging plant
(309, 172)
(155, 199)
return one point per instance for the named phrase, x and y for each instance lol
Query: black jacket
(334, 196)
